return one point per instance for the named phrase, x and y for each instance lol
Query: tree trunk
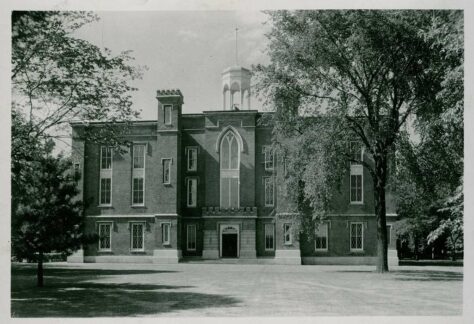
(453, 250)
(39, 273)
(380, 211)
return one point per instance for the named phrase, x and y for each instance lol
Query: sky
(186, 50)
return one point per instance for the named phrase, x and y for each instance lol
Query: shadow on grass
(30, 269)
(416, 275)
(426, 275)
(70, 293)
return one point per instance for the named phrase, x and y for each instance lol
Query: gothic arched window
(229, 171)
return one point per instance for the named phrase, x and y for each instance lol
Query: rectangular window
(357, 236)
(105, 236)
(138, 191)
(269, 237)
(229, 192)
(137, 236)
(357, 174)
(191, 192)
(105, 191)
(191, 238)
(105, 158)
(167, 109)
(321, 237)
(165, 233)
(287, 236)
(356, 188)
(356, 152)
(139, 156)
(166, 171)
(389, 234)
(269, 191)
(269, 158)
(105, 181)
(138, 174)
(192, 158)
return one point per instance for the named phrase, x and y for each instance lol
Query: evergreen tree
(50, 218)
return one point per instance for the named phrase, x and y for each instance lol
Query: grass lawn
(93, 290)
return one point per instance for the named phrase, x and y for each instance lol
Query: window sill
(137, 206)
(356, 202)
(104, 206)
(191, 170)
(137, 251)
(191, 206)
(357, 251)
(167, 184)
(287, 244)
(321, 251)
(166, 244)
(104, 251)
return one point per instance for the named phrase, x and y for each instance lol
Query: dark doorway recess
(229, 245)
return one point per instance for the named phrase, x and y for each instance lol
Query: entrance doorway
(229, 241)
(229, 245)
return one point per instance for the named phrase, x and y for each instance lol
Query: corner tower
(236, 88)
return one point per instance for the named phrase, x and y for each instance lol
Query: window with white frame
(287, 235)
(192, 158)
(105, 158)
(191, 192)
(356, 188)
(105, 191)
(191, 237)
(105, 236)
(269, 158)
(229, 171)
(105, 183)
(357, 236)
(321, 237)
(166, 233)
(269, 237)
(167, 109)
(356, 152)
(138, 175)
(356, 174)
(137, 236)
(166, 171)
(269, 191)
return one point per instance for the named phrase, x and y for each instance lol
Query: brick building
(205, 186)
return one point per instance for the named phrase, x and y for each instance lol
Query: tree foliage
(430, 173)
(57, 77)
(341, 75)
(51, 219)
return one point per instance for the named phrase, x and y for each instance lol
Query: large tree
(51, 219)
(58, 77)
(358, 75)
(430, 175)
